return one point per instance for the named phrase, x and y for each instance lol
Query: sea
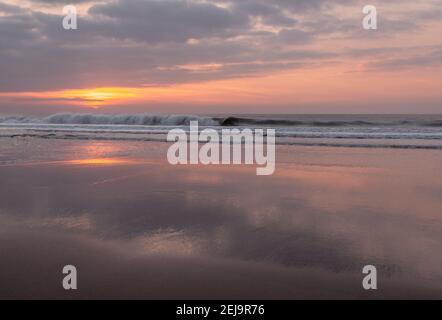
(338, 130)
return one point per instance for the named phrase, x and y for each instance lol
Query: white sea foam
(121, 119)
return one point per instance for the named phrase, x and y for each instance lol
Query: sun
(97, 97)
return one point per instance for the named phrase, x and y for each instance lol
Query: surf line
(186, 149)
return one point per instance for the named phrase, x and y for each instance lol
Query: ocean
(98, 193)
(362, 131)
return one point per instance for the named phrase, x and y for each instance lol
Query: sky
(220, 56)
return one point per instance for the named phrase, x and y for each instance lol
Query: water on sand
(137, 227)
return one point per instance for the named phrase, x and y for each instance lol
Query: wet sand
(137, 227)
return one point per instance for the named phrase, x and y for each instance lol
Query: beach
(231, 150)
(137, 227)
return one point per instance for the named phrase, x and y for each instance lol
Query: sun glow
(98, 97)
(100, 161)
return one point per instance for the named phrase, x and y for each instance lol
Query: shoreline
(378, 143)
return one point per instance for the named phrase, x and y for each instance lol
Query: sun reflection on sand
(101, 161)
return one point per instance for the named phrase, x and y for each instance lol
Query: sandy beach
(137, 227)
(245, 150)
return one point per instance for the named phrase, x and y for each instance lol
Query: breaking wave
(101, 119)
(230, 121)
(238, 121)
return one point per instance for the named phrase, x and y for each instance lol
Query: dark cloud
(295, 6)
(166, 21)
(7, 8)
(64, 2)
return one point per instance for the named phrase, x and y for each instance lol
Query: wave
(414, 132)
(101, 119)
(229, 121)
(239, 121)
(160, 137)
(283, 132)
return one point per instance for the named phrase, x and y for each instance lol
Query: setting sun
(97, 97)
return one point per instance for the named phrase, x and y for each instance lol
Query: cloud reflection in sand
(314, 213)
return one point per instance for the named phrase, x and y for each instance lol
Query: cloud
(64, 2)
(165, 21)
(138, 43)
(146, 42)
(7, 8)
(432, 59)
